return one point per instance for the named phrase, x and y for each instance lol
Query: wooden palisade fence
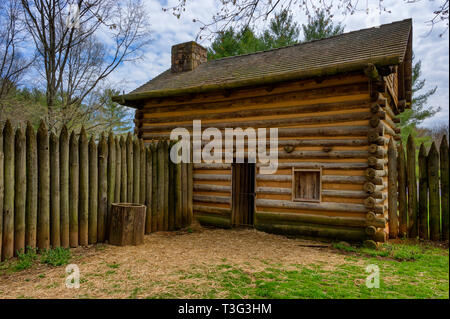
(423, 200)
(57, 191)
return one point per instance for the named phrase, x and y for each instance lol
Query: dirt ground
(147, 270)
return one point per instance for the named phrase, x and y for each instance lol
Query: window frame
(293, 198)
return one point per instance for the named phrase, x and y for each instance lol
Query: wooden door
(243, 194)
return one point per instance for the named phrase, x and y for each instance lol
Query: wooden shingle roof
(384, 45)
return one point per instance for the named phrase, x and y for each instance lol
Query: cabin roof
(388, 44)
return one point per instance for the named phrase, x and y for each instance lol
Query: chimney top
(187, 56)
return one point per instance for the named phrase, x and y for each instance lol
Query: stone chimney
(187, 56)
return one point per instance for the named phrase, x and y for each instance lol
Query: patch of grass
(134, 293)
(406, 271)
(344, 247)
(25, 259)
(400, 252)
(56, 257)
(114, 265)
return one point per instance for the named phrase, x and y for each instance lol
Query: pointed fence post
(148, 189)
(136, 170)
(43, 216)
(160, 189)
(423, 193)
(123, 170)
(73, 190)
(8, 199)
(19, 190)
(142, 172)
(154, 149)
(171, 191)
(402, 185)
(55, 199)
(412, 187)
(93, 191)
(102, 189)
(392, 189)
(129, 179)
(111, 179)
(31, 200)
(118, 171)
(64, 185)
(2, 186)
(83, 202)
(166, 185)
(443, 156)
(433, 184)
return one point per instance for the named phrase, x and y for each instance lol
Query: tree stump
(127, 224)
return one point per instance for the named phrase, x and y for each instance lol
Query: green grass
(406, 271)
(56, 257)
(25, 260)
(113, 265)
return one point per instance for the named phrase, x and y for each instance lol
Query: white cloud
(428, 47)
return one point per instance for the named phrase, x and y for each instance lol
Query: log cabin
(334, 102)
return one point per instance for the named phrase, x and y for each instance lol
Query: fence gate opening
(243, 194)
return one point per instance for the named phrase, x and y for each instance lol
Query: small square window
(307, 185)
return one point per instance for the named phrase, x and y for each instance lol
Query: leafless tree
(77, 51)
(12, 61)
(438, 131)
(242, 13)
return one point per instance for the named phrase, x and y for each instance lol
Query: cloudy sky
(167, 30)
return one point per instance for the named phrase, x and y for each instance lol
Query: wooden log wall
(339, 123)
(57, 191)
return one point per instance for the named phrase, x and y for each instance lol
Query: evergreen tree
(231, 43)
(282, 31)
(321, 26)
(419, 110)
(113, 116)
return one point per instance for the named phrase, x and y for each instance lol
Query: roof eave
(132, 98)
